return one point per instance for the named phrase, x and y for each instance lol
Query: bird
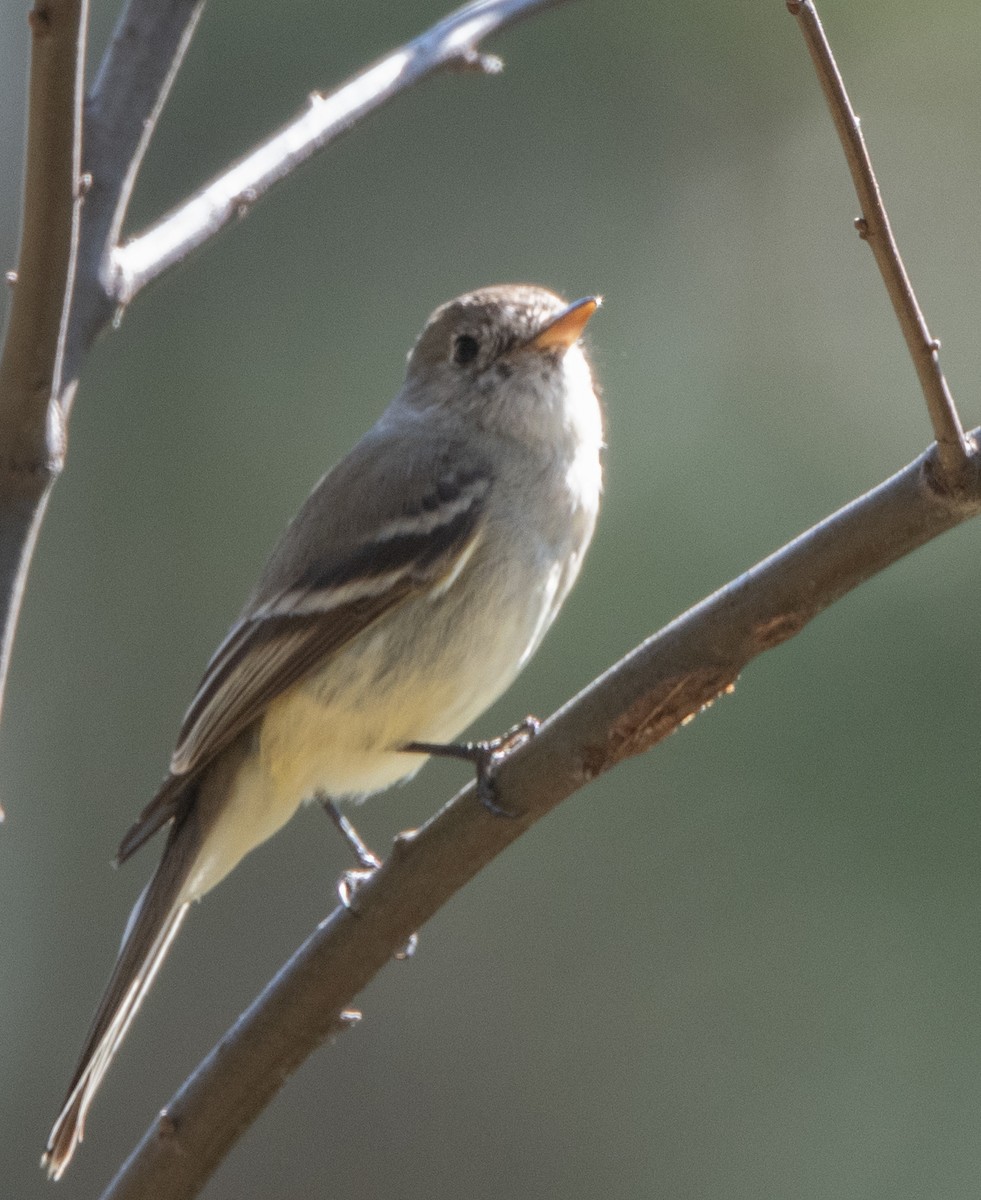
(412, 586)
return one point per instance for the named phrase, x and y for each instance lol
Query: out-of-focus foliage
(746, 965)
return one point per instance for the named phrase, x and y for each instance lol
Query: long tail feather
(151, 929)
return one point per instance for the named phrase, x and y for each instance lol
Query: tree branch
(647, 695)
(873, 226)
(31, 367)
(452, 42)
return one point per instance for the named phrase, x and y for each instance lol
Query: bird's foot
(486, 757)
(354, 879)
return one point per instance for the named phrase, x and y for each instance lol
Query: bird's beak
(566, 327)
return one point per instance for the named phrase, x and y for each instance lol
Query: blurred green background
(745, 965)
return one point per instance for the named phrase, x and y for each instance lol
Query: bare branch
(873, 226)
(634, 705)
(31, 368)
(452, 42)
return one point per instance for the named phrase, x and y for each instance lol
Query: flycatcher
(405, 596)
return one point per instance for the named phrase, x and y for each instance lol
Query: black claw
(487, 791)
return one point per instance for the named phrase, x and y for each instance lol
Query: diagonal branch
(634, 705)
(873, 226)
(452, 42)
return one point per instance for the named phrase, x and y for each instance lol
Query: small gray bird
(405, 596)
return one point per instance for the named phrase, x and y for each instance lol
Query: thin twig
(124, 104)
(452, 42)
(873, 226)
(637, 703)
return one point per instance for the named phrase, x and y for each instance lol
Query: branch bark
(31, 367)
(660, 686)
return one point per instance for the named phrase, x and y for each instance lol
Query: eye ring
(465, 349)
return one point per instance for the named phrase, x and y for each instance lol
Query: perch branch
(873, 226)
(634, 705)
(451, 42)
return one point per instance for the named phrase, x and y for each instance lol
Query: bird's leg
(355, 878)
(351, 880)
(367, 858)
(485, 756)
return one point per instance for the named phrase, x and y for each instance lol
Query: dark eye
(465, 349)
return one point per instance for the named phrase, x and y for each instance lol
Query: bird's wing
(286, 635)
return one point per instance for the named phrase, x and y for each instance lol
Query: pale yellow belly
(338, 732)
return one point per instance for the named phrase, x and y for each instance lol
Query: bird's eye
(465, 349)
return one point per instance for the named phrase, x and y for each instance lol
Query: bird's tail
(152, 927)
